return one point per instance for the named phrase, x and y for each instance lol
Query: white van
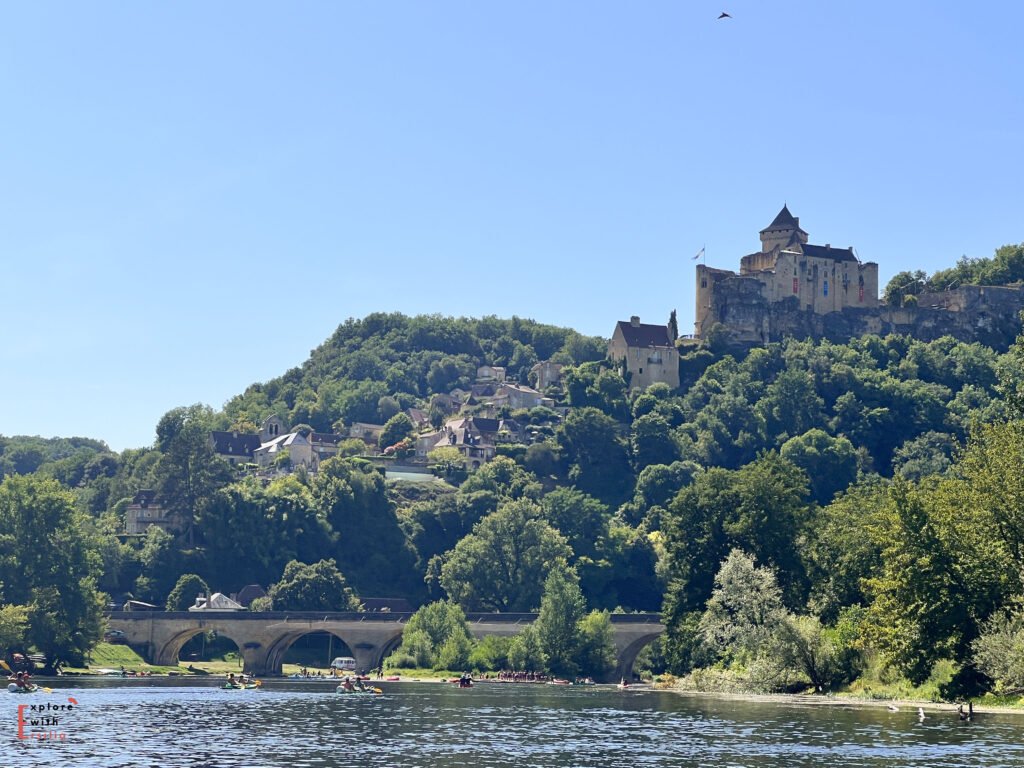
(344, 663)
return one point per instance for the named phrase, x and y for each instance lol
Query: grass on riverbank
(115, 655)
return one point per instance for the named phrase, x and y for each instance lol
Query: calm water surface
(168, 724)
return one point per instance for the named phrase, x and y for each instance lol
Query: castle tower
(783, 232)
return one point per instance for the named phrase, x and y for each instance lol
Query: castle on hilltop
(793, 288)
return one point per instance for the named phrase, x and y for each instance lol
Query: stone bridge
(264, 638)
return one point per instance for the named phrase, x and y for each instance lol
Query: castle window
(641, 371)
(703, 282)
(825, 287)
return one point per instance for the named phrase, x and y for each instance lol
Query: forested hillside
(798, 512)
(403, 360)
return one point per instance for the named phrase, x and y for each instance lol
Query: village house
(368, 433)
(475, 438)
(490, 373)
(647, 353)
(304, 449)
(519, 396)
(146, 511)
(546, 374)
(218, 601)
(235, 447)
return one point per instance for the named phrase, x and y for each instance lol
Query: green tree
(437, 636)
(502, 564)
(652, 442)
(277, 523)
(656, 486)
(745, 612)
(830, 462)
(316, 587)
(491, 653)
(791, 405)
(161, 561)
(927, 455)
(448, 462)
(371, 549)
(189, 472)
(904, 284)
(526, 652)
(599, 465)
(504, 478)
(595, 651)
(561, 609)
(397, 429)
(919, 613)
(841, 553)
(49, 564)
(582, 519)
(185, 592)
(13, 628)
(759, 508)
(999, 651)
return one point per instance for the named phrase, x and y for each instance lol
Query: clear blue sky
(193, 195)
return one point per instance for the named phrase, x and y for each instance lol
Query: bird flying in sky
(724, 15)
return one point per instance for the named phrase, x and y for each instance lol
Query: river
(171, 723)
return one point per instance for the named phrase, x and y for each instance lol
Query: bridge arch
(628, 653)
(166, 653)
(279, 646)
(368, 655)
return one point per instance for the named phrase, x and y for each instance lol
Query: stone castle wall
(989, 315)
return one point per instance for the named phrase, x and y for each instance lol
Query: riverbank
(851, 701)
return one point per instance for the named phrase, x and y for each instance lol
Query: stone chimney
(635, 321)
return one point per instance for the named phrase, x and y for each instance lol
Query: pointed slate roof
(785, 220)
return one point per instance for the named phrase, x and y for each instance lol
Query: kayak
(15, 688)
(365, 691)
(246, 687)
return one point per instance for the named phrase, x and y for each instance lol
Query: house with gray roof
(235, 447)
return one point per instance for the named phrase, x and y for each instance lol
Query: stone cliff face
(989, 315)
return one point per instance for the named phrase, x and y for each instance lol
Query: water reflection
(429, 724)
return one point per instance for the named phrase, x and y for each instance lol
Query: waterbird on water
(920, 714)
(892, 708)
